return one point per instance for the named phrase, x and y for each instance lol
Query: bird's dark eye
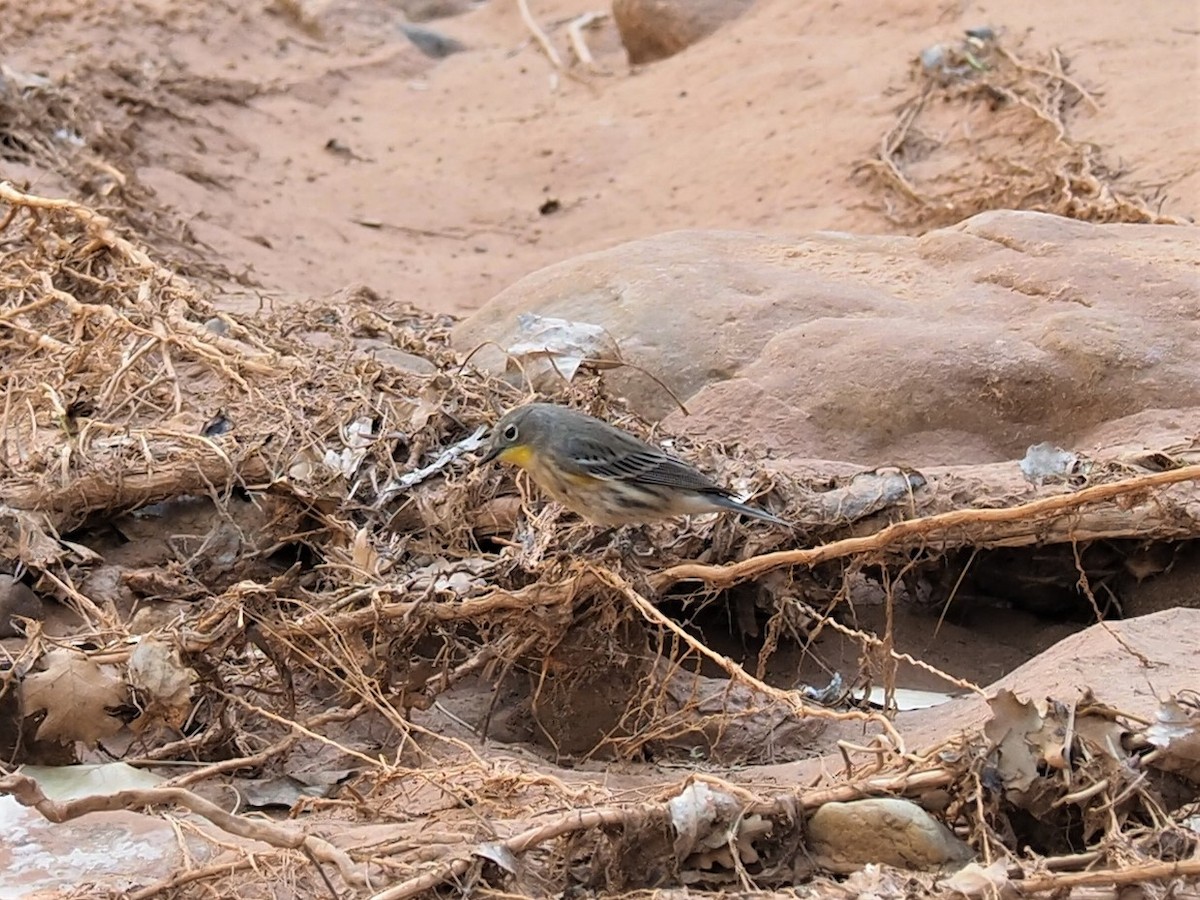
(510, 432)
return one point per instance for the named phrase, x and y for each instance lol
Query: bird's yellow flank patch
(586, 480)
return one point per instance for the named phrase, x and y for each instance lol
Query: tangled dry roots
(988, 129)
(274, 559)
(332, 581)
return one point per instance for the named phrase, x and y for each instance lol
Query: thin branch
(918, 532)
(538, 35)
(579, 42)
(789, 698)
(1140, 874)
(611, 817)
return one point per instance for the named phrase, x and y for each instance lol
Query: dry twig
(539, 35)
(1027, 523)
(579, 42)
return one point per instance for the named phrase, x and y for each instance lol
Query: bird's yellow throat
(520, 455)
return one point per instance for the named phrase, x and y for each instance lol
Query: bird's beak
(492, 453)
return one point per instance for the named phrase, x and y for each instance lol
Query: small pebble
(432, 43)
(885, 831)
(933, 57)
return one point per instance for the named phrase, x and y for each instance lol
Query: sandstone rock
(1109, 657)
(656, 29)
(1176, 584)
(393, 356)
(965, 345)
(883, 830)
(16, 599)
(428, 10)
(432, 43)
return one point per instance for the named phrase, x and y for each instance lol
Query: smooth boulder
(964, 345)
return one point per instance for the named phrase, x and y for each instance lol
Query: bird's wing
(636, 462)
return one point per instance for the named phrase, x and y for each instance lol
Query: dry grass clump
(271, 558)
(986, 128)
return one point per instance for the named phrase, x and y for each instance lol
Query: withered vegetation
(269, 563)
(984, 127)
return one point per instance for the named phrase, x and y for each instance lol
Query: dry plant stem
(300, 729)
(736, 672)
(609, 817)
(538, 594)
(1057, 75)
(538, 35)
(870, 640)
(1140, 874)
(189, 876)
(86, 609)
(99, 226)
(26, 792)
(579, 42)
(892, 141)
(205, 344)
(279, 747)
(68, 504)
(1086, 588)
(902, 784)
(981, 527)
(580, 820)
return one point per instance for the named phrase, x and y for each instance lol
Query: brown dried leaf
(1102, 736)
(1012, 723)
(1177, 735)
(164, 682)
(76, 694)
(25, 536)
(363, 556)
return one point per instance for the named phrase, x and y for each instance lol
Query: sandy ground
(306, 147)
(360, 160)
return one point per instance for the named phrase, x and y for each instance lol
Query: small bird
(602, 473)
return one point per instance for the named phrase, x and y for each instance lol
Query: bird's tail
(730, 503)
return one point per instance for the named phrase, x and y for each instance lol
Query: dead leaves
(79, 695)
(1051, 756)
(1018, 733)
(162, 681)
(76, 695)
(1176, 735)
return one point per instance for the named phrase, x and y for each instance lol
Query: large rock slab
(656, 29)
(964, 345)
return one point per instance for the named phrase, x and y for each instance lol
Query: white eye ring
(510, 433)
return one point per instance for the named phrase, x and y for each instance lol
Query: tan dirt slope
(431, 188)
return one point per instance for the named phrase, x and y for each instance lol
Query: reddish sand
(435, 196)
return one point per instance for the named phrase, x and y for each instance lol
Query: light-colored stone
(393, 356)
(427, 10)
(656, 29)
(112, 851)
(965, 345)
(882, 830)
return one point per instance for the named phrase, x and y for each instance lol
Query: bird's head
(518, 435)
